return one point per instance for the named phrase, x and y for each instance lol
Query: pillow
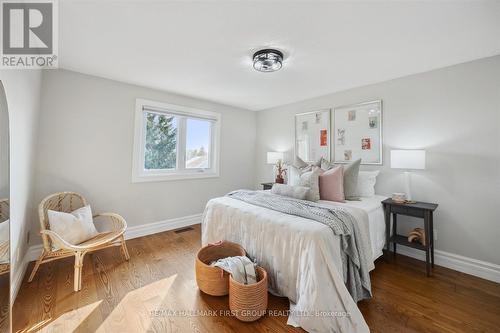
(294, 174)
(297, 192)
(311, 179)
(351, 172)
(299, 163)
(74, 227)
(366, 183)
(318, 162)
(331, 184)
(325, 165)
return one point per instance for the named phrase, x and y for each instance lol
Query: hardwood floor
(119, 296)
(4, 302)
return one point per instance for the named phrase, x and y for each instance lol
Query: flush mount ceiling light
(268, 60)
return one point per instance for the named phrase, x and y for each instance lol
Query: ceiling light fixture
(268, 60)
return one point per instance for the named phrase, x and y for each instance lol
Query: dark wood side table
(422, 210)
(267, 186)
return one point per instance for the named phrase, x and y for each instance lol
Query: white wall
(22, 89)
(85, 145)
(452, 113)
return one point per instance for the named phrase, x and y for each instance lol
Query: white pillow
(311, 179)
(297, 192)
(75, 227)
(366, 183)
(325, 164)
(293, 175)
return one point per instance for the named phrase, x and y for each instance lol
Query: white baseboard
(17, 279)
(482, 269)
(156, 227)
(132, 232)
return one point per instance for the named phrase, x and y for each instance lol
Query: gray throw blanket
(342, 223)
(241, 268)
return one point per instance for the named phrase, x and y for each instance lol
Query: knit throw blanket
(354, 252)
(241, 268)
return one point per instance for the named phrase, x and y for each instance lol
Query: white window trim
(140, 175)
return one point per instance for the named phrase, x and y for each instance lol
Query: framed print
(357, 133)
(312, 135)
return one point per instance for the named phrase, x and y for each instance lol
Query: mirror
(4, 215)
(312, 135)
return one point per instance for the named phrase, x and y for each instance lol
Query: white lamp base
(408, 185)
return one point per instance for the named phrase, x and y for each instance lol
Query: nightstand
(422, 210)
(267, 186)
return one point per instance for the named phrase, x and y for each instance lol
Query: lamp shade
(408, 159)
(273, 157)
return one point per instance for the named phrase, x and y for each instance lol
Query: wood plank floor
(4, 303)
(121, 296)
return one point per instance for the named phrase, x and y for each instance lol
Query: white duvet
(301, 256)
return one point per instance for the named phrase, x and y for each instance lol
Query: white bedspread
(301, 256)
(373, 207)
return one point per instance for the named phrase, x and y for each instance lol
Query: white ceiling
(203, 49)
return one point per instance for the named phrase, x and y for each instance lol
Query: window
(174, 142)
(198, 143)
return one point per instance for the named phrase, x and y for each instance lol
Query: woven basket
(213, 280)
(249, 302)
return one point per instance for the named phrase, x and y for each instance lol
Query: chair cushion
(75, 227)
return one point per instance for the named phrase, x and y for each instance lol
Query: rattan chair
(109, 225)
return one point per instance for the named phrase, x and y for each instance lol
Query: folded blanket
(241, 268)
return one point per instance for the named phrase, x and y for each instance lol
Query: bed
(301, 256)
(376, 222)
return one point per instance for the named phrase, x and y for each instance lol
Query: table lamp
(408, 160)
(276, 158)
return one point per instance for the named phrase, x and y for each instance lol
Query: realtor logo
(29, 32)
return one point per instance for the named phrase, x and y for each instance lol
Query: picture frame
(312, 135)
(357, 133)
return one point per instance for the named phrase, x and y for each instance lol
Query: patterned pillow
(311, 179)
(326, 165)
(297, 192)
(318, 162)
(294, 174)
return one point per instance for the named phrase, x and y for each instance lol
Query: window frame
(140, 174)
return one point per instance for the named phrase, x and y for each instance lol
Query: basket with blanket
(223, 268)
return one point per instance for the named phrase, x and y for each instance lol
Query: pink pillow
(331, 184)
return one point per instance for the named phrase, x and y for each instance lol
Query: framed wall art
(357, 133)
(312, 135)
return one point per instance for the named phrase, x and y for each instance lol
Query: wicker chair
(110, 226)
